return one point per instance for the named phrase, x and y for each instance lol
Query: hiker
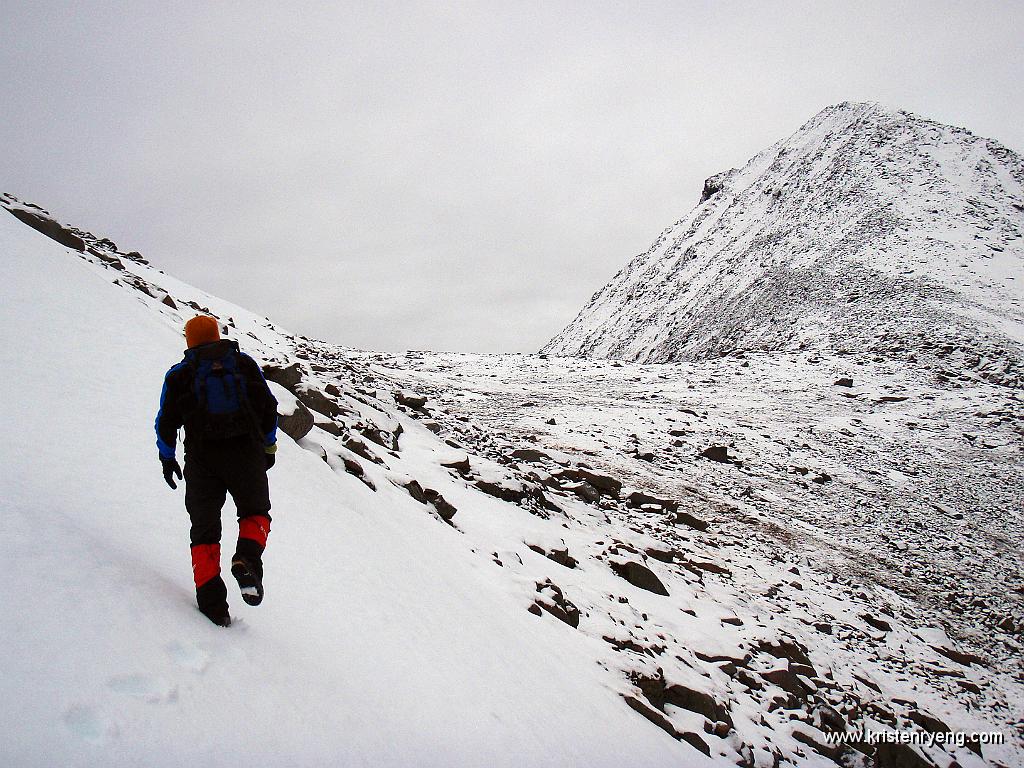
(219, 395)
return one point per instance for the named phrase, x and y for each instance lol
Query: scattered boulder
(584, 490)
(410, 399)
(50, 228)
(692, 521)
(360, 448)
(560, 556)
(331, 428)
(317, 401)
(355, 469)
(844, 382)
(297, 423)
(639, 576)
(531, 455)
(960, 657)
(554, 602)
(505, 490)
(897, 755)
(719, 453)
(444, 507)
(607, 485)
(816, 740)
(416, 491)
(287, 377)
(877, 623)
(640, 499)
(459, 465)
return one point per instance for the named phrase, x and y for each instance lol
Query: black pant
(215, 468)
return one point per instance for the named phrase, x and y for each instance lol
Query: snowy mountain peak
(867, 229)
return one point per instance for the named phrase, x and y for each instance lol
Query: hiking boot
(212, 600)
(249, 576)
(220, 618)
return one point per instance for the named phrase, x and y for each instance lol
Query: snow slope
(382, 641)
(867, 229)
(456, 577)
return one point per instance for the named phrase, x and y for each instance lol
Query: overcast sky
(450, 176)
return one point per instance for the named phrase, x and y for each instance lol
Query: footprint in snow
(189, 656)
(89, 724)
(153, 690)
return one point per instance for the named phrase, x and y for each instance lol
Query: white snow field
(383, 640)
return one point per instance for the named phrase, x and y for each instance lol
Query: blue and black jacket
(179, 403)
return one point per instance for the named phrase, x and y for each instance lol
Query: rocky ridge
(866, 230)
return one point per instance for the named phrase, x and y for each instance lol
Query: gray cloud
(447, 176)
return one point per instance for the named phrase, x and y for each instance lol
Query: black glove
(271, 458)
(171, 468)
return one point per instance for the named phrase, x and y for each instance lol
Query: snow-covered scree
(451, 579)
(867, 229)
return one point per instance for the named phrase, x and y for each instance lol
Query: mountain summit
(868, 229)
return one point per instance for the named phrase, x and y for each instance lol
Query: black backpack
(220, 388)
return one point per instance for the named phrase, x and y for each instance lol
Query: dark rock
(331, 428)
(659, 719)
(607, 485)
(459, 465)
(692, 521)
(50, 228)
(639, 576)
(287, 377)
(787, 680)
(697, 701)
(410, 399)
(663, 555)
(112, 261)
(560, 556)
(416, 491)
(712, 186)
(554, 602)
(500, 490)
(844, 382)
(821, 479)
(639, 499)
(531, 455)
(896, 755)
(817, 742)
(432, 426)
(697, 566)
(719, 453)
(876, 622)
(381, 437)
(584, 490)
(360, 448)
(169, 301)
(296, 424)
(789, 649)
(317, 401)
(695, 741)
(354, 468)
(961, 657)
(550, 421)
(444, 508)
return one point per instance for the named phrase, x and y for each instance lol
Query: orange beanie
(201, 329)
